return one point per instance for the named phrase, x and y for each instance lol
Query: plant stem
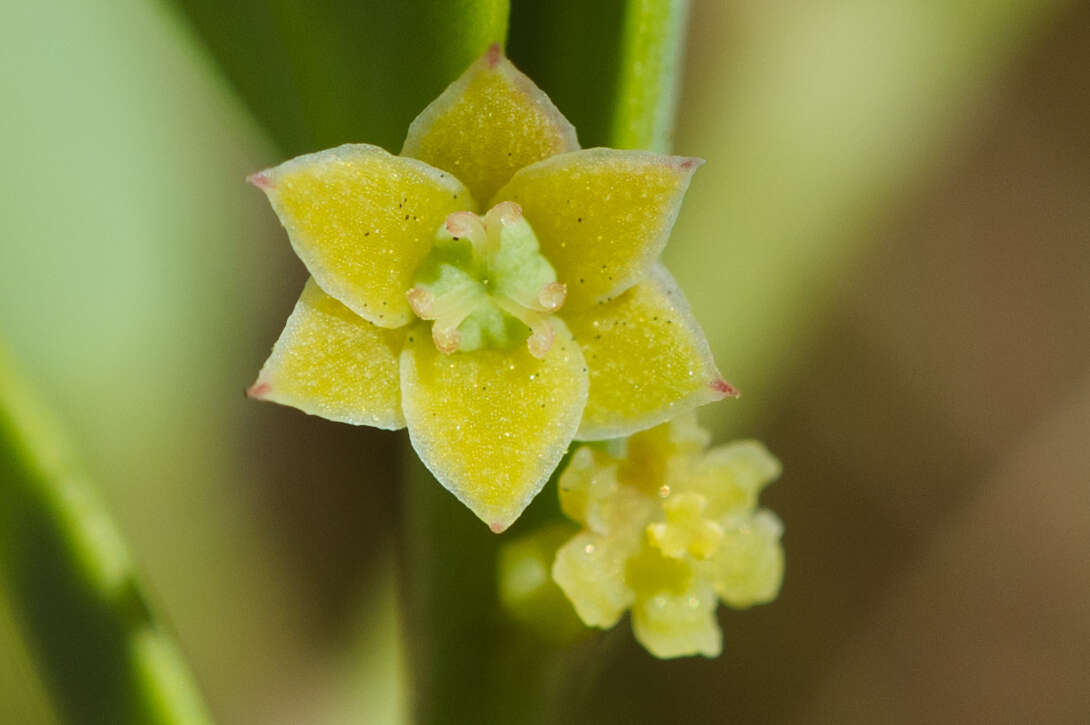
(469, 663)
(612, 67)
(652, 48)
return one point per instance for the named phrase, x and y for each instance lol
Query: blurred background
(889, 249)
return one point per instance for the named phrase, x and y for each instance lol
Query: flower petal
(662, 455)
(590, 494)
(749, 568)
(362, 220)
(590, 570)
(732, 475)
(648, 360)
(330, 362)
(492, 425)
(678, 625)
(602, 215)
(487, 125)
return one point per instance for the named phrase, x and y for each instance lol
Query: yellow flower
(669, 529)
(496, 338)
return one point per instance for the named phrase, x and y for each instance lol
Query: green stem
(652, 49)
(464, 652)
(470, 664)
(71, 584)
(612, 67)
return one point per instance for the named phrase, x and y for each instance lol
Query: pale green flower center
(486, 284)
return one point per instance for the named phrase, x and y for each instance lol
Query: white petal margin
(648, 358)
(679, 625)
(362, 220)
(332, 363)
(488, 124)
(492, 425)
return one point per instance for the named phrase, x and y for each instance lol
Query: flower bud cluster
(670, 529)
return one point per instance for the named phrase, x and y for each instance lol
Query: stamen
(449, 310)
(506, 212)
(467, 225)
(505, 257)
(541, 330)
(549, 298)
(457, 302)
(499, 216)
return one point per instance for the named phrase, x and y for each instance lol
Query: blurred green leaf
(71, 584)
(162, 279)
(326, 72)
(611, 66)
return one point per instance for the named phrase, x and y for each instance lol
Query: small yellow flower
(669, 529)
(494, 288)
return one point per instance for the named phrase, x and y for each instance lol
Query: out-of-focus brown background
(889, 248)
(936, 431)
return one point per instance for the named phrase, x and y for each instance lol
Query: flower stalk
(458, 634)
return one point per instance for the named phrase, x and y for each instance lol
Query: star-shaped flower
(494, 288)
(669, 529)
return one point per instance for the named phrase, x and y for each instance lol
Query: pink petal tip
(493, 55)
(258, 390)
(726, 389)
(497, 527)
(261, 180)
(690, 163)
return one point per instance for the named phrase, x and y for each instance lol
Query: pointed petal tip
(690, 163)
(498, 528)
(493, 55)
(258, 390)
(725, 389)
(261, 180)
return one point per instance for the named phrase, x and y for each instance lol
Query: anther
(499, 216)
(541, 338)
(506, 212)
(449, 310)
(447, 339)
(541, 330)
(467, 225)
(552, 296)
(422, 303)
